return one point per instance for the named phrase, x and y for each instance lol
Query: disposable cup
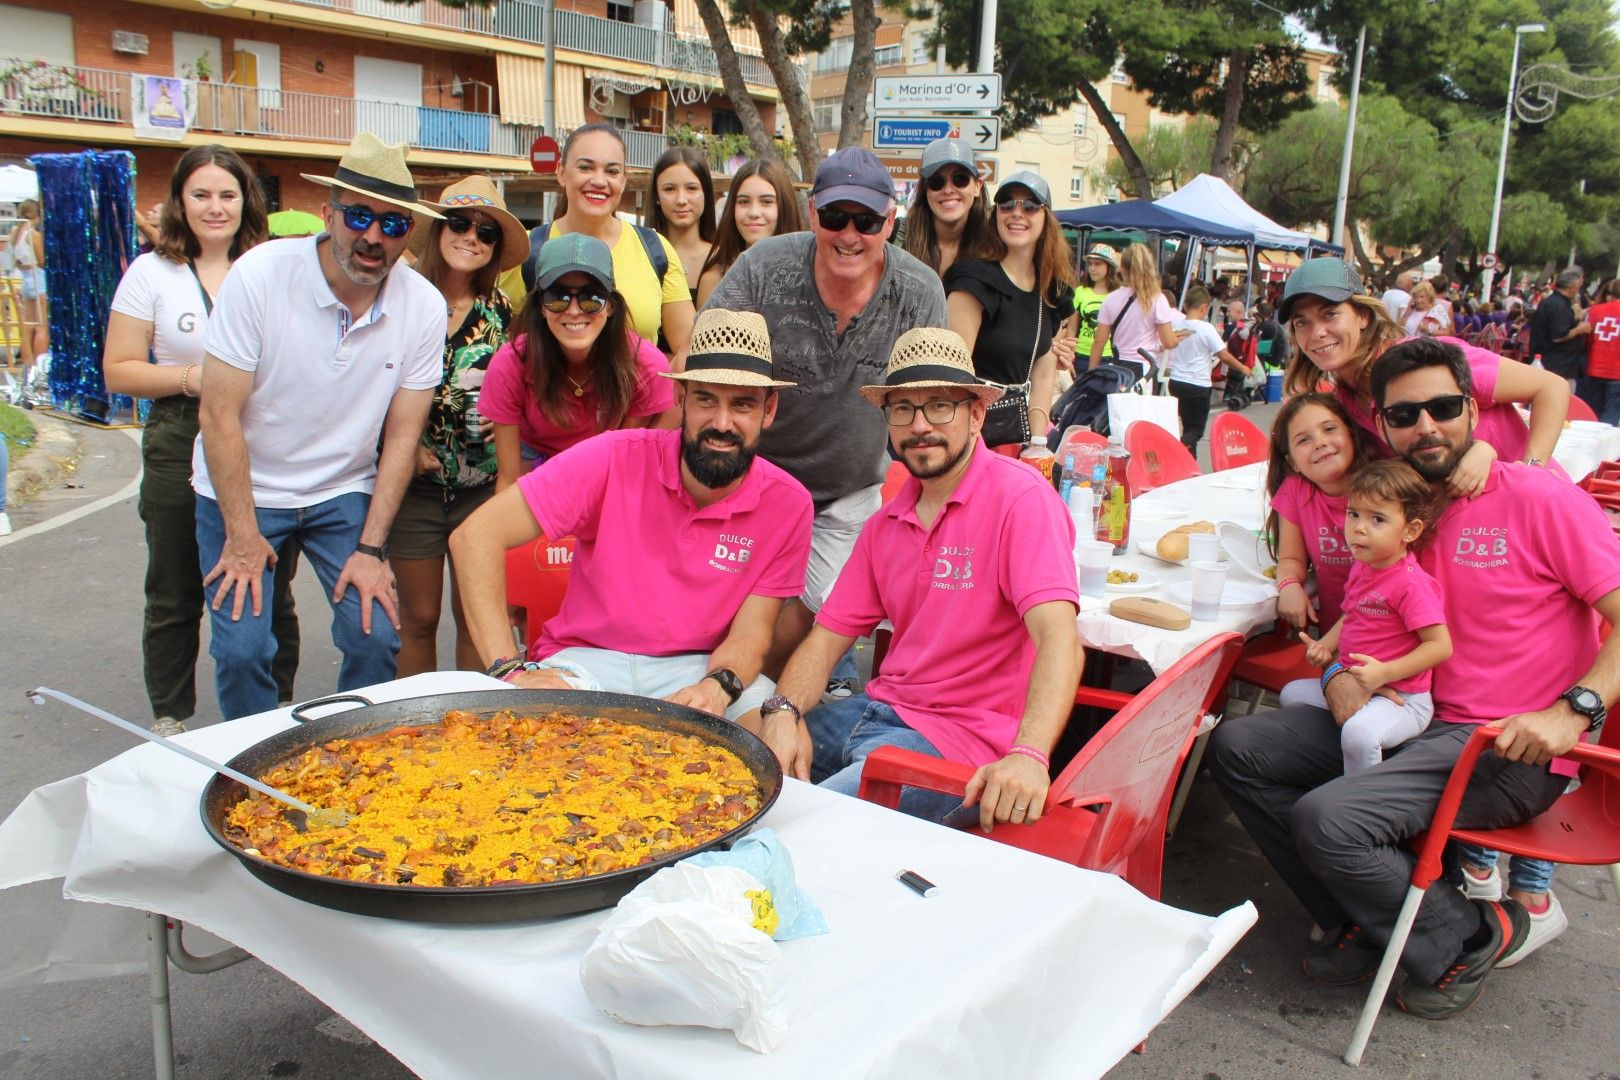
(1208, 582)
(1203, 547)
(1092, 557)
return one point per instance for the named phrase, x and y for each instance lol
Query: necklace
(579, 388)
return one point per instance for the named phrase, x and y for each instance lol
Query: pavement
(71, 594)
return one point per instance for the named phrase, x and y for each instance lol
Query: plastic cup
(1092, 557)
(1208, 582)
(1203, 547)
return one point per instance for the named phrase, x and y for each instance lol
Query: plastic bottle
(1117, 509)
(1099, 498)
(1082, 510)
(1536, 363)
(1066, 485)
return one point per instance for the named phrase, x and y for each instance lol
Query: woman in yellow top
(1102, 277)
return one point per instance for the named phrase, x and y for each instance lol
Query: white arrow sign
(937, 92)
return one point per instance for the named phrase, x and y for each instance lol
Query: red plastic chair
(1234, 441)
(893, 480)
(1157, 458)
(537, 579)
(1582, 828)
(1580, 410)
(1107, 809)
(1272, 661)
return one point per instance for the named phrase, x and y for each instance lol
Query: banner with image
(159, 106)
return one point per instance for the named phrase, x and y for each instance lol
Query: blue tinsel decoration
(88, 204)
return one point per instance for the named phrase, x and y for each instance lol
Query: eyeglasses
(359, 218)
(487, 233)
(955, 177)
(902, 413)
(866, 222)
(1405, 413)
(1028, 206)
(589, 298)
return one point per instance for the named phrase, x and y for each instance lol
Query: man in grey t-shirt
(835, 299)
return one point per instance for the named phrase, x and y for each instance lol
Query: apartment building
(287, 83)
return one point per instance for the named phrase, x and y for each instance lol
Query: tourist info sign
(981, 133)
(891, 92)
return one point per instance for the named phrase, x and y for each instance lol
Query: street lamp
(1501, 160)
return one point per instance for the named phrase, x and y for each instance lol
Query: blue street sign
(901, 132)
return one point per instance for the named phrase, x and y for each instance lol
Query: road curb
(53, 455)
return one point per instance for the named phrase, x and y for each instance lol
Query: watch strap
(780, 703)
(1595, 715)
(378, 553)
(729, 682)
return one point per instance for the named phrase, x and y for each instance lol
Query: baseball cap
(1328, 278)
(574, 253)
(855, 175)
(942, 152)
(1103, 253)
(1030, 181)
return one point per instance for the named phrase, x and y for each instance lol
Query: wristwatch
(728, 682)
(779, 703)
(1588, 704)
(378, 553)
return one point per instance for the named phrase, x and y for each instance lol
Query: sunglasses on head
(954, 177)
(1028, 206)
(1404, 414)
(487, 233)
(590, 299)
(866, 222)
(359, 218)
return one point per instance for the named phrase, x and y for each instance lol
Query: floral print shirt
(464, 464)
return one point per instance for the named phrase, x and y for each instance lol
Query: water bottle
(1081, 511)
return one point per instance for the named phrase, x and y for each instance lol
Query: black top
(1002, 352)
(1554, 317)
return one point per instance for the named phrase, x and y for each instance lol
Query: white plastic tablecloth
(1584, 445)
(1017, 966)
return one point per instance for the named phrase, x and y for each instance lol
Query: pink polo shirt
(957, 670)
(1320, 519)
(654, 574)
(1520, 566)
(1384, 610)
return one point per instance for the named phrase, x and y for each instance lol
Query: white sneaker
(5, 521)
(1485, 888)
(1543, 928)
(168, 727)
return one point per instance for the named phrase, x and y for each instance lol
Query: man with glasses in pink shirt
(973, 564)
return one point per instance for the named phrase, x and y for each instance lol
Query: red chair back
(537, 579)
(1157, 458)
(1234, 441)
(1580, 410)
(893, 480)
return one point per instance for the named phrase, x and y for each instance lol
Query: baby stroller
(1086, 402)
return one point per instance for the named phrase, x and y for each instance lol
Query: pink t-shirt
(957, 670)
(1320, 520)
(1140, 327)
(1384, 610)
(1520, 566)
(508, 397)
(655, 574)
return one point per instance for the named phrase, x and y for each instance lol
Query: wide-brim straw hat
(377, 170)
(480, 193)
(729, 348)
(930, 358)
(1103, 253)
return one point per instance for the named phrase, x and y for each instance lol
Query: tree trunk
(1237, 76)
(795, 97)
(1116, 135)
(862, 69)
(731, 77)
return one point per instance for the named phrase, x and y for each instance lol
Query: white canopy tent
(1212, 199)
(17, 184)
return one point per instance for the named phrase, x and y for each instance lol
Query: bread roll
(1173, 544)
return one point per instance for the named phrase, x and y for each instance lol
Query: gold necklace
(579, 388)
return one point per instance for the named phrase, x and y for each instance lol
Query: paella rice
(507, 800)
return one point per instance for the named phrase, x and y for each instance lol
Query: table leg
(157, 936)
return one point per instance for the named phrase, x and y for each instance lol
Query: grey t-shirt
(825, 435)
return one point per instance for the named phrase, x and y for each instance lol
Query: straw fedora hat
(377, 170)
(729, 348)
(479, 193)
(930, 358)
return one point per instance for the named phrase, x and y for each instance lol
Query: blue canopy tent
(1151, 218)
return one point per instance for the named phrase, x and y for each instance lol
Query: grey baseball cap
(574, 253)
(854, 174)
(1030, 182)
(942, 152)
(1327, 277)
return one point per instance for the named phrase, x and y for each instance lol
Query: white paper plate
(1245, 550)
(1150, 548)
(1144, 581)
(1237, 594)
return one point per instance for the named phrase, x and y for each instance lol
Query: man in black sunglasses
(1523, 564)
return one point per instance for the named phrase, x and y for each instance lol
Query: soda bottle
(1117, 509)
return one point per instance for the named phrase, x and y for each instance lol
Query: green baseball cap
(1328, 278)
(574, 253)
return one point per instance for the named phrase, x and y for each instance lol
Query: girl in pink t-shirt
(1393, 632)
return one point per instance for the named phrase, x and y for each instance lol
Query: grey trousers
(1336, 839)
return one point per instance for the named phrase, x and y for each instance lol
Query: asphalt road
(70, 603)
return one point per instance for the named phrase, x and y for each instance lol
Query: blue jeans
(1603, 395)
(1525, 875)
(844, 732)
(243, 649)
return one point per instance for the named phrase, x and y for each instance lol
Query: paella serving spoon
(320, 819)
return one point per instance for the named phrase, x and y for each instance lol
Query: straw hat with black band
(930, 358)
(729, 348)
(377, 170)
(479, 193)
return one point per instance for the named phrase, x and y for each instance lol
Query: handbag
(1007, 421)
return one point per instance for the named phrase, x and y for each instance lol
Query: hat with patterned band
(729, 348)
(930, 358)
(373, 168)
(479, 193)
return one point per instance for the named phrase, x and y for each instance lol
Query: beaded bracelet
(1287, 581)
(185, 375)
(1030, 752)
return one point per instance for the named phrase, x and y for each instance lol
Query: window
(1119, 118)
(1080, 123)
(621, 12)
(1119, 75)
(197, 56)
(1324, 82)
(886, 56)
(826, 113)
(725, 122)
(836, 56)
(258, 63)
(1077, 185)
(920, 52)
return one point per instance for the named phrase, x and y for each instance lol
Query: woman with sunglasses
(950, 210)
(762, 203)
(154, 349)
(1339, 331)
(1014, 306)
(462, 255)
(682, 208)
(577, 369)
(1136, 316)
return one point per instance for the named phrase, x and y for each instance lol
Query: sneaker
(838, 690)
(168, 727)
(1508, 925)
(1543, 928)
(1343, 958)
(1482, 888)
(5, 520)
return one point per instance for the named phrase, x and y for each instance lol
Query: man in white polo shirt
(316, 348)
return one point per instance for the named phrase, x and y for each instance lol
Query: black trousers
(1192, 403)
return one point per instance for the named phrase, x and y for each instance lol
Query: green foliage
(18, 430)
(1172, 153)
(810, 22)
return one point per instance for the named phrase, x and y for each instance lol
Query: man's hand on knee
(373, 580)
(1345, 696)
(241, 566)
(1538, 737)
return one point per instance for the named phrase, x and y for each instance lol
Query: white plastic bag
(1123, 409)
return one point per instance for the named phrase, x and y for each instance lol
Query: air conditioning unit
(130, 43)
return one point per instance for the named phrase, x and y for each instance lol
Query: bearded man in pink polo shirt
(1522, 565)
(687, 543)
(973, 564)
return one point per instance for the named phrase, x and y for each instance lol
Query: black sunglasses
(590, 298)
(1404, 414)
(487, 233)
(1028, 206)
(359, 218)
(955, 177)
(866, 222)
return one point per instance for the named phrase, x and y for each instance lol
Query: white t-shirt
(166, 295)
(1190, 362)
(319, 395)
(1395, 301)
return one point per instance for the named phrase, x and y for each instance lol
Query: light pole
(1342, 202)
(1501, 159)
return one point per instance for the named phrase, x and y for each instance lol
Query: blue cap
(854, 174)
